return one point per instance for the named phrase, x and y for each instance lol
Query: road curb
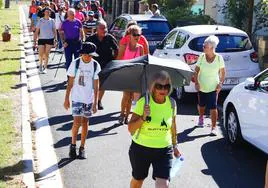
(28, 175)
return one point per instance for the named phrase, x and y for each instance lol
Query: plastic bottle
(177, 162)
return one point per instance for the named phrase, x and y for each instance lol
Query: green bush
(1, 4)
(185, 14)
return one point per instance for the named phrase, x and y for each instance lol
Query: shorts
(81, 109)
(208, 100)
(142, 157)
(45, 42)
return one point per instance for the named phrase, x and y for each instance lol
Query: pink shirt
(132, 54)
(79, 16)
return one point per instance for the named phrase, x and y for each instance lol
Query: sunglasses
(136, 35)
(162, 87)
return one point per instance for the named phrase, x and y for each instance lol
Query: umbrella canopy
(134, 75)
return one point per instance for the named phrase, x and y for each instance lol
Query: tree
(237, 12)
(261, 10)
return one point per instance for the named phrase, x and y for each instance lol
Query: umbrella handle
(148, 117)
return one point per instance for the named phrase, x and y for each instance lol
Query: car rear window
(228, 43)
(154, 27)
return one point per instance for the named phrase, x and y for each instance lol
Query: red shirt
(102, 11)
(143, 41)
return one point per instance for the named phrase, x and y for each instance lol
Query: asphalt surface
(209, 161)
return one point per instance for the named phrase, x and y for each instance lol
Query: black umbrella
(133, 75)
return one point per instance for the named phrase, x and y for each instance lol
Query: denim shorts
(81, 109)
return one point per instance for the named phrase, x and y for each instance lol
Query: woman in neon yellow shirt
(152, 141)
(209, 76)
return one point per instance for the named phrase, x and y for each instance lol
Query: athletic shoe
(201, 122)
(72, 152)
(214, 131)
(121, 120)
(44, 70)
(100, 107)
(82, 153)
(40, 69)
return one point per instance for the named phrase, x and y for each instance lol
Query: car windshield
(228, 43)
(154, 27)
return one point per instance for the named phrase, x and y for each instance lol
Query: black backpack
(77, 66)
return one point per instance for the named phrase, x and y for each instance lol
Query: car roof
(210, 29)
(143, 17)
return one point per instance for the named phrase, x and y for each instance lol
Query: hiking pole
(58, 65)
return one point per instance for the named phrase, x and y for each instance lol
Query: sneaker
(100, 107)
(40, 69)
(72, 153)
(201, 122)
(121, 119)
(44, 70)
(214, 131)
(82, 153)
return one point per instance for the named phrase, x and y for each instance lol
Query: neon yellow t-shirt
(208, 76)
(157, 133)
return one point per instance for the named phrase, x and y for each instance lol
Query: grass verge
(10, 130)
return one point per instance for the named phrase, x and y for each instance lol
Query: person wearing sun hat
(83, 85)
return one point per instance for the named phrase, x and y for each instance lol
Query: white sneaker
(214, 132)
(44, 70)
(40, 69)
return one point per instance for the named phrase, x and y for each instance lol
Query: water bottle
(176, 165)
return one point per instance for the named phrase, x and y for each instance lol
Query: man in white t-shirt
(83, 85)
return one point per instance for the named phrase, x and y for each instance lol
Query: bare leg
(128, 105)
(41, 52)
(266, 176)
(46, 55)
(136, 183)
(101, 93)
(75, 129)
(161, 183)
(84, 131)
(201, 111)
(124, 103)
(214, 117)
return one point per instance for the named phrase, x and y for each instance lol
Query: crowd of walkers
(80, 31)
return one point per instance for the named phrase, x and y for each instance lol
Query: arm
(68, 91)
(96, 95)
(197, 86)
(146, 48)
(121, 51)
(222, 77)
(174, 137)
(135, 123)
(36, 35)
(82, 34)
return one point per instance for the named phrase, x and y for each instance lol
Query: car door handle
(178, 54)
(165, 53)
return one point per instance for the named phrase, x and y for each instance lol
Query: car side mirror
(264, 86)
(250, 84)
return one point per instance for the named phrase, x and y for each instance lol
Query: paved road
(209, 161)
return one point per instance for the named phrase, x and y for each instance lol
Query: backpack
(77, 66)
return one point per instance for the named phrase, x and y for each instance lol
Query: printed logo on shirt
(163, 123)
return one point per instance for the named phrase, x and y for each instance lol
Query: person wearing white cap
(90, 24)
(209, 77)
(83, 85)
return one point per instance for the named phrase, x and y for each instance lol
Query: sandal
(121, 119)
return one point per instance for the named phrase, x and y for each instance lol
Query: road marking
(47, 164)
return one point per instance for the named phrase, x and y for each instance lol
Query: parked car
(246, 112)
(154, 28)
(186, 44)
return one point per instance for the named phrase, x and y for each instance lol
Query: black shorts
(208, 100)
(45, 41)
(142, 157)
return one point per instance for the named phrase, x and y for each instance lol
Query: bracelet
(175, 145)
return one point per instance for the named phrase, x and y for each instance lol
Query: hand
(94, 109)
(197, 86)
(218, 88)
(65, 44)
(146, 111)
(176, 152)
(66, 104)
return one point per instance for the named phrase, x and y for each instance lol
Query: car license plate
(231, 81)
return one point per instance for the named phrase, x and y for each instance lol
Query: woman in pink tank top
(133, 50)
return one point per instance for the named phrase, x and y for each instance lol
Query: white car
(246, 112)
(186, 44)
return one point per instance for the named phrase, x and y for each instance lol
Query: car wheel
(233, 127)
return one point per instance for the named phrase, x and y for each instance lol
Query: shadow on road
(184, 136)
(91, 134)
(230, 167)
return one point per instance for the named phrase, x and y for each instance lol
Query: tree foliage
(261, 10)
(237, 12)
